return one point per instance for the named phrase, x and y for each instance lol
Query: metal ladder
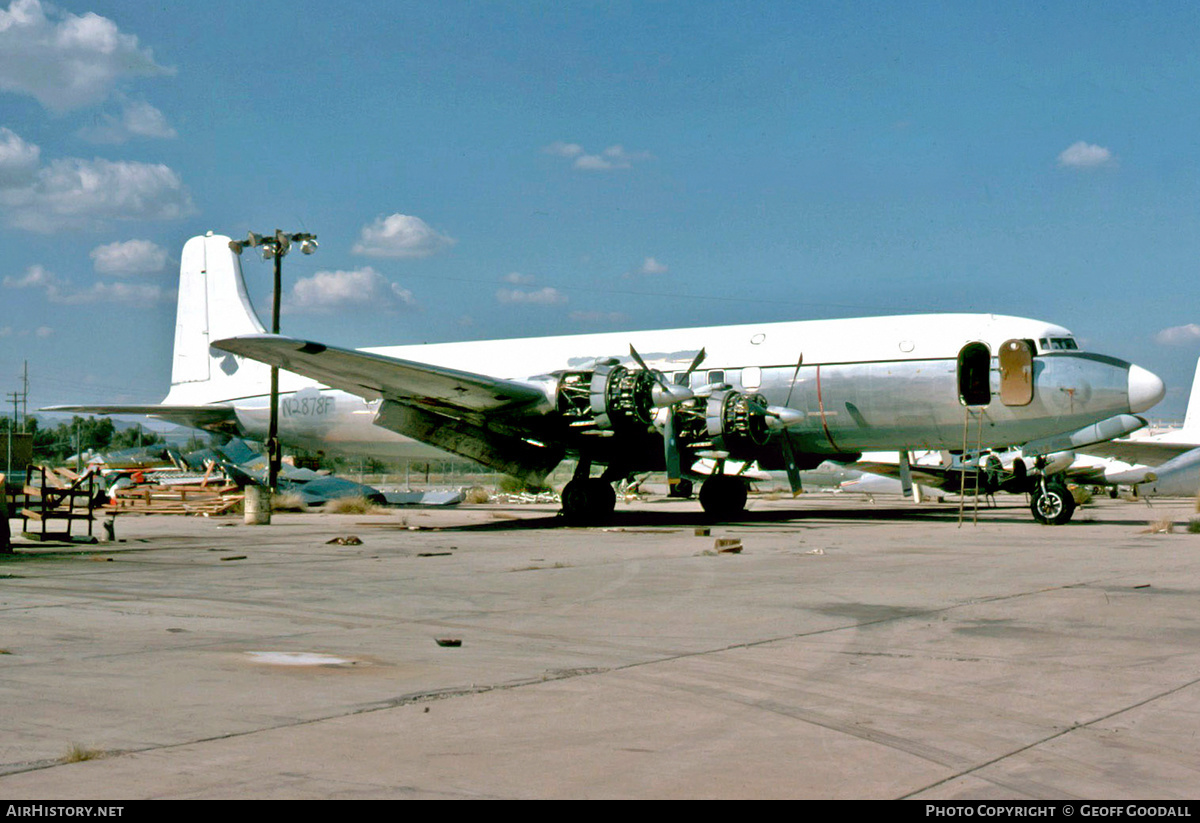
(962, 490)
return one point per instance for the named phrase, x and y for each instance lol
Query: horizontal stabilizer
(210, 418)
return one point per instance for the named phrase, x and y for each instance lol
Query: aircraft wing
(1145, 452)
(373, 376)
(453, 410)
(213, 418)
(935, 477)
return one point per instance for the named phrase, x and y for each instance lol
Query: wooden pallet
(193, 499)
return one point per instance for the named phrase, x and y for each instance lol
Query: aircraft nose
(1145, 389)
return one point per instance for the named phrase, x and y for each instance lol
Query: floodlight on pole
(274, 247)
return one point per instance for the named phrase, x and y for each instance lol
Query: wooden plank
(52, 514)
(5, 534)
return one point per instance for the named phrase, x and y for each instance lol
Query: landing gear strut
(723, 496)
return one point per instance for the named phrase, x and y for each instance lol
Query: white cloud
(35, 277)
(546, 296)
(44, 331)
(5, 331)
(652, 266)
(19, 160)
(138, 119)
(328, 291)
(1178, 335)
(137, 294)
(67, 61)
(74, 193)
(518, 279)
(614, 157)
(400, 235)
(61, 291)
(1083, 155)
(130, 257)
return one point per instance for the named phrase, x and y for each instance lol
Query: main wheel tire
(723, 497)
(588, 501)
(603, 498)
(1052, 505)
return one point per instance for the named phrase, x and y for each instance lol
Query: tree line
(98, 434)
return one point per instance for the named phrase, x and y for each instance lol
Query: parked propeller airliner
(787, 395)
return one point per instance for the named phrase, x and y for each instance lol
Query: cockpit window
(1058, 344)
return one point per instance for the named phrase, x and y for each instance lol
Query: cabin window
(681, 378)
(716, 376)
(1016, 373)
(974, 375)
(751, 377)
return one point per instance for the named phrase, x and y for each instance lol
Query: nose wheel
(1052, 503)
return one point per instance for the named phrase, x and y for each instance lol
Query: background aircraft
(1162, 463)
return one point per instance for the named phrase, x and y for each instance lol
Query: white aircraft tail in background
(213, 305)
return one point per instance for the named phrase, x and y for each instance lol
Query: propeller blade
(671, 450)
(637, 358)
(792, 385)
(793, 470)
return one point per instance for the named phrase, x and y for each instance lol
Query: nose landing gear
(1052, 503)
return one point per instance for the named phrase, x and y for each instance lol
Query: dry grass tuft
(1163, 526)
(477, 494)
(288, 502)
(350, 505)
(77, 753)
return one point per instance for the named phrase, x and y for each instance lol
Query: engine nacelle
(609, 397)
(727, 420)
(737, 421)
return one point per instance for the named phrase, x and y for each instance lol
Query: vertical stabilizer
(213, 304)
(1191, 422)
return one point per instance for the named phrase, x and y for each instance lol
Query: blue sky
(478, 170)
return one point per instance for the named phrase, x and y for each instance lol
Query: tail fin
(213, 304)
(1191, 422)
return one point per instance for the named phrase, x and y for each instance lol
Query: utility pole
(275, 247)
(12, 428)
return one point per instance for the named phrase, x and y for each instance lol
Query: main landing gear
(588, 500)
(723, 496)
